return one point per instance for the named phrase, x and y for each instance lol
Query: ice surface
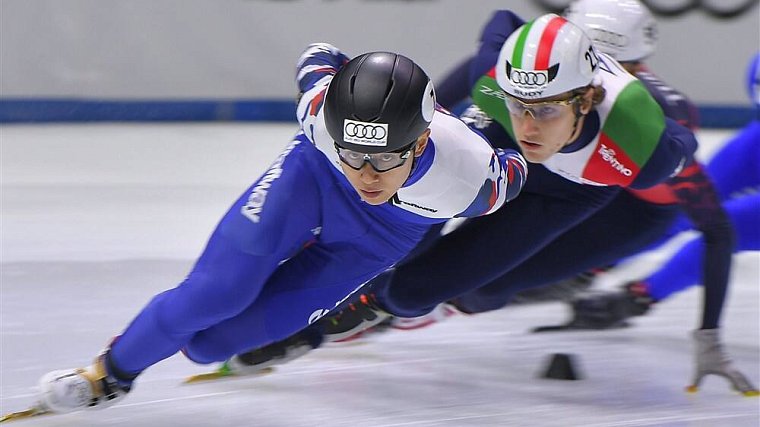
(98, 218)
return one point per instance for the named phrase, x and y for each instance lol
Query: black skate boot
(358, 316)
(606, 310)
(255, 361)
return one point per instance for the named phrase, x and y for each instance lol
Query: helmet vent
(351, 85)
(352, 94)
(388, 90)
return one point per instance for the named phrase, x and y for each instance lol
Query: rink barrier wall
(73, 110)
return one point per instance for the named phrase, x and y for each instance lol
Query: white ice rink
(98, 218)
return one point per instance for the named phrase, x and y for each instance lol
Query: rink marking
(659, 420)
(175, 399)
(647, 421)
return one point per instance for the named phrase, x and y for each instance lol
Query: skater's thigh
(301, 290)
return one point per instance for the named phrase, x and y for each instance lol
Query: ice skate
(357, 317)
(262, 360)
(606, 310)
(82, 388)
(440, 313)
(73, 390)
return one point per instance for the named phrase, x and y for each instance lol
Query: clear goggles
(380, 162)
(541, 111)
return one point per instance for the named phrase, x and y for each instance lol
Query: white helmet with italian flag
(546, 57)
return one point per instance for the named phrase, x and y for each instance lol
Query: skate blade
(571, 327)
(21, 415)
(220, 374)
(747, 393)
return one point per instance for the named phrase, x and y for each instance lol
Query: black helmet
(378, 102)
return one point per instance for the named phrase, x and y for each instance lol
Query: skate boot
(440, 313)
(261, 360)
(255, 361)
(610, 310)
(82, 388)
(382, 327)
(357, 317)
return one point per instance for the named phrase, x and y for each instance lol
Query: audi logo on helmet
(363, 133)
(531, 79)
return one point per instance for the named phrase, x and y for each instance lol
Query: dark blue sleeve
(673, 103)
(674, 151)
(454, 87)
(495, 33)
(699, 200)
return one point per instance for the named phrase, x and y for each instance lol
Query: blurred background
(128, 127)
(148, 60)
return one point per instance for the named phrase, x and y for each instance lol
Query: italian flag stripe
(547, 42)
(635, 122)
(520, 45)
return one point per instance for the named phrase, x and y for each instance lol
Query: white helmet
(546, 57)
(623, 29)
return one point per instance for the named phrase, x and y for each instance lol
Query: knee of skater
(214, 297)
(477, 303)
(408, 304)
(204, 352)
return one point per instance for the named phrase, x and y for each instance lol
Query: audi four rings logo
(363, 133)
(528, 78)
(723, 9)
(531, 79)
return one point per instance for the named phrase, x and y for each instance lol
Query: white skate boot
(82, 388)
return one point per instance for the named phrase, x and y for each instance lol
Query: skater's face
(376, 187)
(542, 127)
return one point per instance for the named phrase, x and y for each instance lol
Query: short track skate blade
(220, 374)
(576, 328)
(20, 415)
(553, 328)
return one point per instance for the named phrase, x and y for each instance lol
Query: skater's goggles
(380, 162)
(541, 111)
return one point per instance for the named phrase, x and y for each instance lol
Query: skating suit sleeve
(315, 68)
(674, 104)
(677, 107)
(626, 140)
(698, 197)
(454, 87)
(459, 174)
(700, 201)
(494, 34)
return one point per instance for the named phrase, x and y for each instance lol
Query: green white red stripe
(545, 45)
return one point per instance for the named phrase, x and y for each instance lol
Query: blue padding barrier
(725, 116)
(72, 110)
(34, 110)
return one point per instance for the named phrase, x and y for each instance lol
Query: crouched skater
(374, 165)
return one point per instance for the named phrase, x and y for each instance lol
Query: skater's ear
(421, 143)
